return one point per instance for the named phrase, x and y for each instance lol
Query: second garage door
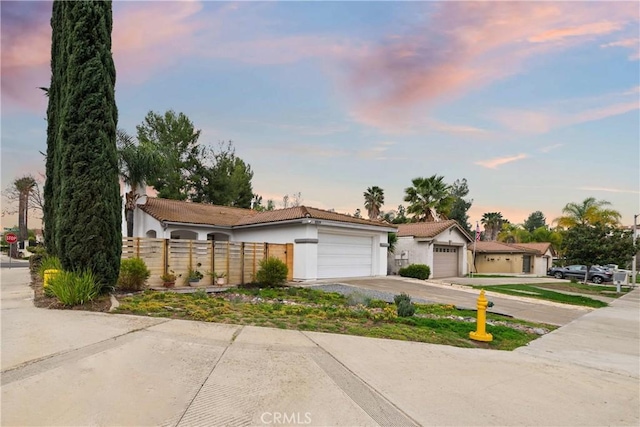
(344, 256)
(445, 261)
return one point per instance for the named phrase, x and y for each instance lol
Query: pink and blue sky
(535, 103)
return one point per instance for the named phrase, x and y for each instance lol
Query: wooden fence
(239, 261)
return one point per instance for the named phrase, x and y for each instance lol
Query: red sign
(10, 238)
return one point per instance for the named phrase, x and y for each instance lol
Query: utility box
(620, 278)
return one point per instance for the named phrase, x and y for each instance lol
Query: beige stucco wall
(507, 263)
(499, 263)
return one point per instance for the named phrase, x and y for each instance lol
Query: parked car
(596, 274)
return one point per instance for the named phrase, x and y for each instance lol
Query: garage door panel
(445, 261)
(344, 255)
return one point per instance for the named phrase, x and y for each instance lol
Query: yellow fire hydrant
(48, 275)
(480, 334)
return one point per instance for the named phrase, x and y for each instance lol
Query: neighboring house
(498, 257)
(441, 245)
(326, 244)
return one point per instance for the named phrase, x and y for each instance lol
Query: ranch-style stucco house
(442, 245)
(498, 257)
(326, 244)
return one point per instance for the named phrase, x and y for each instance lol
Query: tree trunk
(129, 222)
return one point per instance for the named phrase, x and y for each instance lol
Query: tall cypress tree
(87, 207)
(51, 185)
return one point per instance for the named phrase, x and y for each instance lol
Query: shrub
(416, 271)
(133, 275)
(273, 272)
(73, 288)
(402, 297)
(406, 309)
(358, 298)
(48, 262)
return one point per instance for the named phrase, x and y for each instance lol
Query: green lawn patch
(313, 310)
(581, 288)
(536, 291)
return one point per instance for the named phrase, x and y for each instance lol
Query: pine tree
(86, 200)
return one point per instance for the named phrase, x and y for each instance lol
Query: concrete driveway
(463, 296)
(80, 368)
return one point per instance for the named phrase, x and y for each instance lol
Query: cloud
(499, 161)
(391, 82)
(146, 36)
(631, 43)
(544, 121)
(568, 112)
(549, 148)
(595, 28)
(376, 152)
(609, 190)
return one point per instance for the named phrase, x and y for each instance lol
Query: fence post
(255, 249)
(213, 262)
(165, 256)
(228, 261)
(242, 263)
(289, 255)
(137, 247)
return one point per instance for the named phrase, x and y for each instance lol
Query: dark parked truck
(596, 274)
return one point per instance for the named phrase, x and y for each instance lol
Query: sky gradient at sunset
(534, 103)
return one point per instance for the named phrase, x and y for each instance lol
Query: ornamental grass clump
(73, 288)
(273, 272)
(49, 262)
(133, 275)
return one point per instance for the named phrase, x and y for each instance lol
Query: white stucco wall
(305, 255)
(302, 233)
(420, 251)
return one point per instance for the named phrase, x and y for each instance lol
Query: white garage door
(344, 256)
(445, 261)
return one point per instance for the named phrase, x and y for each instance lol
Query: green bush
(133, 275)
(402, 297)
(406, 309)
(48, 262)
(272, 272)
(73, 288)
(416, 271)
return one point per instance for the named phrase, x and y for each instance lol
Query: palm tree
(589, 212)
(430, 199)
(373, 201)
(492, 222)
(23, 186)
(138, 163)
(514, 233)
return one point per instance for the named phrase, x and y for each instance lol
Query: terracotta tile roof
(499, 247)
(194, 213)
(540, 247)
(200, 213)
(428, 229)
(300, 212)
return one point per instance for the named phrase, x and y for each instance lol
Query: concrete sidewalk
(80, 368)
